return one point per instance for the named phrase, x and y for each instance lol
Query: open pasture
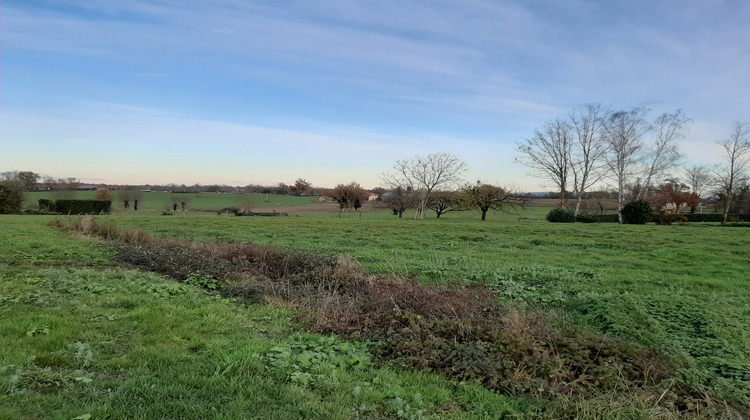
(157, 201)
(681, 289)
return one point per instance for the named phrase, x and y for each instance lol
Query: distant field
(158, 201)
(681, 289)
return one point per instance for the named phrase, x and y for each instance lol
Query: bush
(637, 213)
(83, 206)
(587, 218)
(606, 218)
(45, 204)
(715, 217)
(560, 215)
(11, 200)
(669, 218)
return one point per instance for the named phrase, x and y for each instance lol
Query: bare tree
(137, 198)
(698, 178)
(663, 153)
(625, 130)
(589, 147)
(736, 153)
(548, 153)
(126, 197)
(425, 174)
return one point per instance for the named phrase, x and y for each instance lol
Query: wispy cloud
(385, 78)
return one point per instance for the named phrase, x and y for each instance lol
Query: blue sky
(238, 92)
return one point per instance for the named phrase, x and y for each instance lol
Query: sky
(238, 92)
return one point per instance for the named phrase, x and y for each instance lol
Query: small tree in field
(11, 199)
(445, 201)
(399, 199)
(349, 196)
(485, 197)
(736, 153)
(137, 198)
(637, 213)
(423, 175)
(125, 197)
(103, 194)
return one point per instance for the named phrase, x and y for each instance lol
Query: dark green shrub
(83, 206)
(11, 199)
(606, 218)
(560, 215)
(637, 213)
(715, 217)
(586, 218)
(45, 204)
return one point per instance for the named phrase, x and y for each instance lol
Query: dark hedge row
(657, 218)
(76, 206)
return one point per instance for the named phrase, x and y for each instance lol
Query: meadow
(85, 336)
(159, 200)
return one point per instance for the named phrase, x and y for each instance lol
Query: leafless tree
(663, 153)
(589, 147)
(425, 174)
(625, 131)
(736, 154)
(126, 196)
(548, 153)
(698, 178)
(137, 198)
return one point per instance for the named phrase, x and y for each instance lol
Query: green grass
(82, 338)
(681, 288)
(158, 201)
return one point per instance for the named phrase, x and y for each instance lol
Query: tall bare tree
(698, 178)
(663, 153)
(589, 147)
(425, 174)
(548, 153)
(625, 131)
(736, 153)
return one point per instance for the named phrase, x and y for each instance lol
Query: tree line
(637, 157)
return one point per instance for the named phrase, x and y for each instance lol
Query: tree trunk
(620, 199)
(726, 208)
(484, 214)
(578, 204)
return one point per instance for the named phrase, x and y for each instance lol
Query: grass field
(158, 201)
(83, 336)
